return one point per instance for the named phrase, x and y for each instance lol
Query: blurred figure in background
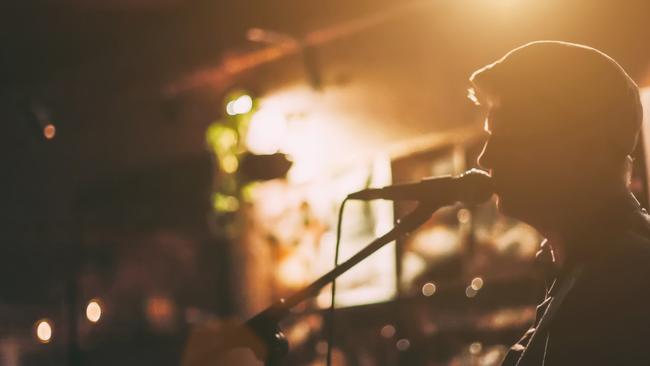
(562, 121)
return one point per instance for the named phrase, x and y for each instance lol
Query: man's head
(562, 121)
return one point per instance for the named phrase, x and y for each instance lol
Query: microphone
(472, 187)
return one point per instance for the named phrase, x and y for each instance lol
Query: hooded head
(562, 120)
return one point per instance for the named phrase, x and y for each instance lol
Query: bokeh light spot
(242, 105)
(49, 131)
(428, 289)
(93, 311)
(464, 216)
(229, 164)
(44, 331)
(403, 344)
(477, 283)
(475, 348)
(387, 331)
(470, 292)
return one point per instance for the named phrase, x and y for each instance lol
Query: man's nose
(484, 159)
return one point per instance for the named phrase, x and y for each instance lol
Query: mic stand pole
(265, 323)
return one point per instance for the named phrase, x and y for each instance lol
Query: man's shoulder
(626, 257)
(632, 245)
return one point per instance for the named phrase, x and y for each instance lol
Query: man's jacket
(597, 306)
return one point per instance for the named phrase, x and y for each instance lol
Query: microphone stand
(274, 345)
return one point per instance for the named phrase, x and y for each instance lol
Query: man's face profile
(533, 166)
(506, 155)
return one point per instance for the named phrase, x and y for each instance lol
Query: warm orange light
(44, 331)
(93, 311)
(49, 131)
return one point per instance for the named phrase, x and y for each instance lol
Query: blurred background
(173, 163)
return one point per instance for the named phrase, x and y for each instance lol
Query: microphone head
(475, 186)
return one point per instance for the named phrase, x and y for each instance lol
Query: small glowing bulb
(93, 311)
(428, 289)
(44, 331)
(49, 131)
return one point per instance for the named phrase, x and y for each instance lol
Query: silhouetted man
(562, 122)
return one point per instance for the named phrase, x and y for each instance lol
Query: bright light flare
(44, 331)
(93, 311)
